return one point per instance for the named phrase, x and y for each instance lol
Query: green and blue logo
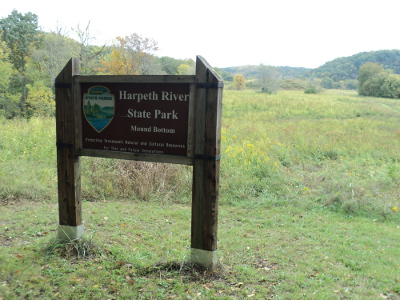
(98, 107)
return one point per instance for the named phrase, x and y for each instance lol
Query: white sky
(296, 33)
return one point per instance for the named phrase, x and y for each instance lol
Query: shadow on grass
(87, 249)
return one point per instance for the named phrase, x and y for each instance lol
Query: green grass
(333, 149)
(308, 209)
(141, 251)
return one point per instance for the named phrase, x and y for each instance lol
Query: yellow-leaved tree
(132, 55)
(185, 69)
(238, 82)
(40, 100)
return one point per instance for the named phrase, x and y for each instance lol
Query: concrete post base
(69, 233)
(207, 259)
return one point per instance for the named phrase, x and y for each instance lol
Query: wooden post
(206, 165)
(68, 163)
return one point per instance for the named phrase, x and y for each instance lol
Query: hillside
(342, 68)
(251, 71)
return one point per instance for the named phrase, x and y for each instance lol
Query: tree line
(340, 73)
(374, 80)
(30, 60)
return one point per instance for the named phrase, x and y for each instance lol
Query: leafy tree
(170, 65)
(19, 33)
(132, 55)
(40, 100)
(47, 61)
(327, 83)
(5, 68)
(11, 105)
(390, 87)
(367, 71)
(238, 82)
(5, 75)
(350, 84)
(268, 79)
(383, 85)
(373, 80)
(185, 69)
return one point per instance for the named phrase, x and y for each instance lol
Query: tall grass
(334, 149)
(27, 159)
(28, 169)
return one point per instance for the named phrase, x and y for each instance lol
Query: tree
(87, 54)
(20, 33)
(5, 67)
(390, 87)
(185, 69)
(367, 71)
(5, 73)
(239, 82)
(327, 83)
(350, 84)
(170, 65)
(384, 85)
(373, 80)
(48, 60)
(132, 55)
(268, 79)
(40, 100)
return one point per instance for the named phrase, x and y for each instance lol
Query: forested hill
(339, 69)
(251, 71)
(344, 68)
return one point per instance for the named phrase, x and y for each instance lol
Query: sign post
(206, 165)
(68, 163)
(160, 118)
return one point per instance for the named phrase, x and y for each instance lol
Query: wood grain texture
(68, 164)
(206, 166)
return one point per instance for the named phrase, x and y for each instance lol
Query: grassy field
(309, 209)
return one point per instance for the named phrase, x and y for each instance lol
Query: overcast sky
(296, 33)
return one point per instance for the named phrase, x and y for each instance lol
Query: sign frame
(203, 150)
(145, 79)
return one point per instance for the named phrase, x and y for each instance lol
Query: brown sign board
(136, 117)
(150, 118)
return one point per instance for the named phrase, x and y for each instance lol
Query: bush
(40, 100)
(382, 85)
(294, 84)
(311, 90)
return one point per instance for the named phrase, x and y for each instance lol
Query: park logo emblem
(98, 107)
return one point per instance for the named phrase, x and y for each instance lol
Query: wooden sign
(147, 118)
(171, 119)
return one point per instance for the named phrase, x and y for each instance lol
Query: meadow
(309, 209)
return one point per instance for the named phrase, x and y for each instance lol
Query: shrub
(311, 90)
